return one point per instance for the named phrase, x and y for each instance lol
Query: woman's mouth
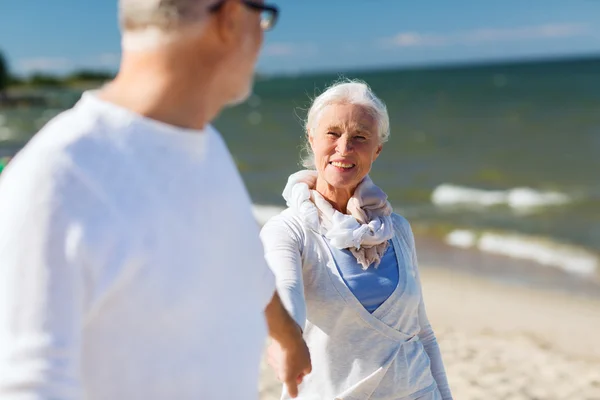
(342, 165)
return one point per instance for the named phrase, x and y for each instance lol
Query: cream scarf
(365, 230)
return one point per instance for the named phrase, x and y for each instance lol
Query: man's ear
(228, 21)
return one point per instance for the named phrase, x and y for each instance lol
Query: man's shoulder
(49, 161)
(50, 186)
(219, 145)
(62, 135)
(45, 152)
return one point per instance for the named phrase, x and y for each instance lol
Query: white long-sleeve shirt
(117, 279)
(390, 354)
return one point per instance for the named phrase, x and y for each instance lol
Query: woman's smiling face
(345, 143)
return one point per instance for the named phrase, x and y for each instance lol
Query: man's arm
(41, 289)
(289, 354)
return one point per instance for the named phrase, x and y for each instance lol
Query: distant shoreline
(69, 83)
(442, 66)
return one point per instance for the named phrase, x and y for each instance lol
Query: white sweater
(391, 354)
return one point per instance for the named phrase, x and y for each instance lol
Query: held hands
(291, 361)
(288, 353)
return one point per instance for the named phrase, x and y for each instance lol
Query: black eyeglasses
(268, 13)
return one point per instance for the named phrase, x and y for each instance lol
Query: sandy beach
(507, 342)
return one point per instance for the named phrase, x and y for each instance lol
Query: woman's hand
(288, 353)
(290, 362)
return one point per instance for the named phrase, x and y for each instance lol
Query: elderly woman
(346, 265)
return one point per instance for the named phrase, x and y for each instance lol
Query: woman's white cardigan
(391, 354)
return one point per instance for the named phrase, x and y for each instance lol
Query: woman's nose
(344, 146)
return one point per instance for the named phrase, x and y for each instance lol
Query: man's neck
(161, 93)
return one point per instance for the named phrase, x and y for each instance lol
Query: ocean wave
(522, 198)
(543, 251)
(263, 213)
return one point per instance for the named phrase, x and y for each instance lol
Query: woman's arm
(292, 358)
(282, 246)
(283, 243)
(427, 335)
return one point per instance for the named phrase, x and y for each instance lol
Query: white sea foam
(447, 194)
(263, 213)
(517, 198)
(542, 251)
(461, 238)
(527, 198)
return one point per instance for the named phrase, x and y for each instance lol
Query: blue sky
(60, 35)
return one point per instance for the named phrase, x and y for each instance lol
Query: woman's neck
(338, 198)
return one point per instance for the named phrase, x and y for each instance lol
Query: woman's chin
(344, 180)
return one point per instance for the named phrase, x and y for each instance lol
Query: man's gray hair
(346, 92)
(161, 15)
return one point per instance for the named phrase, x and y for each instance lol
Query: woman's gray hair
(346, 92)
(145, 22)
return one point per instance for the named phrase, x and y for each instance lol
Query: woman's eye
(333, 134)
(361, 138)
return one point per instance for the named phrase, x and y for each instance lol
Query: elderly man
(130, 263)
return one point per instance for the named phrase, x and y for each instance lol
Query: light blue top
(373, 286)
